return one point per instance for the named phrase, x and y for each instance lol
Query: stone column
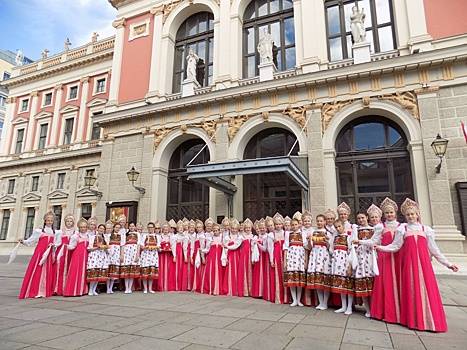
(222, 48)
(17, 222)
(218, 201)
(144, 207)
(418, 32)
(79, 128)
(315, 161)
(43, 205)
(53, 138)
(236, 56)
(105, 171)
(156, 54)
(313, 26)
(442, 215)
(330, 178)
(32, 122)
(118, 24)
(7, 131)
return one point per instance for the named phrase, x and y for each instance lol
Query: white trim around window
(44, 93)
(68, 90)
(66, 117)
(17, 127)
(38, 132)
(95, 80)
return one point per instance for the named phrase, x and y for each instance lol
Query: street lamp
(439, 146)
(132, 177)
(89, 181)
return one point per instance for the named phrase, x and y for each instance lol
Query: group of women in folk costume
(377, 262)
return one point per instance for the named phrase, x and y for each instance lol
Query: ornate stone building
(328, 122)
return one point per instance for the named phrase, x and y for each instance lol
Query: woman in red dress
(181, 258)
(214, 272)
(76, 282)
(259, 249)
(232, 242)
(275, 246)
(421, 307)
(198, 266)
(245, 264)
(38, 281)
(64, 255)
(166, 281)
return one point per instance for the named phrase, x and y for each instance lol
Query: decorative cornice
(119, 23)
(407, 100)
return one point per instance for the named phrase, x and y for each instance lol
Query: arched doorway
(187, 198)
(268, 193)
(372, 162)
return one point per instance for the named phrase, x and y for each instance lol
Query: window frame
(61, 182)
(96, 84)
(206, 37)
(29, 227)
(65, 131)
(5, 224)
(21, 105)
(69, 87)
(44, 98)
(11, 186)
(35, 183)
(42, 137)
(260, 21)
(373, 27)
(21, 143)
(86, 216)
(57, 216)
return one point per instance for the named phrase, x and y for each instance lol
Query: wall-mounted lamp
(89, 181)
(439, 146)
(132, 177)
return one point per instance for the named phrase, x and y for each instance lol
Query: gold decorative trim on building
(329, 110)
(167, 8)
(235, 123)
(407, 100)
(298, 114)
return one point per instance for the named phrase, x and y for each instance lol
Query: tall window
(68, 131)
(57, 209)
(6, 75)
(11, 186)
(275, 17)
(35, 183)
(5, 224)
(196, 33)
(48, 99)
(31, 214)
(19, 141)
(100, 85)
(73, 93)
(266, 194)
(187, 198)
(372, 163)
(60, 181)
(24, 105)
(86, 210)
(42, 136)
(379, 26)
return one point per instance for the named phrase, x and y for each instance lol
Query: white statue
(94, 37)
(357, 25)
(19, 60)
(191, 64)
(67, 44)
(45, 53)
(265, 47)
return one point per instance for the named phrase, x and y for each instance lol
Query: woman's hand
(21, 241)
(454, 268)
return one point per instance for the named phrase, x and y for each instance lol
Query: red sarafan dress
(166, 281)
(62, 262)
(385, 303)
(181, 264)
(198, 266)
(213, 276)
(39, 278)
(245, 267)
(231, 286)
(76, 281)
(257, 285)
(276, 246)
(268, 271)
(421, 307)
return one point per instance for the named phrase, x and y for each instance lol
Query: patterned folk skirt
(130, 268)
(97, 266)
(295, 275)
(341, 280)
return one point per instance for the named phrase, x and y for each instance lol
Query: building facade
(319, 129)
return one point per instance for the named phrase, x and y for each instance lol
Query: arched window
(266, 194)
(196, 33)
(187, 198)
(379, 24)
(275, 16)
(372, 163)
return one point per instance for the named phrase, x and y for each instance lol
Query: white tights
(347, 301)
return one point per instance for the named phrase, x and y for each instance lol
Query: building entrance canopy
(218, 175)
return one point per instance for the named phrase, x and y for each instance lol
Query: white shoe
(339, 311)
(294, 304)
(90, 293)
(110, 292)
(95, 293)
(126, 292)
(299, 304)
(324, 307)
(367, 314)
(145, 292)
(319, 307)
(152, 292)
(348, 312)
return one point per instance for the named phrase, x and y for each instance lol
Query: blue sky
(33, 25)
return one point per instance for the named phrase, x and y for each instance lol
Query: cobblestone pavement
(194, 322)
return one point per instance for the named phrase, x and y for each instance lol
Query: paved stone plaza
(193, 321)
